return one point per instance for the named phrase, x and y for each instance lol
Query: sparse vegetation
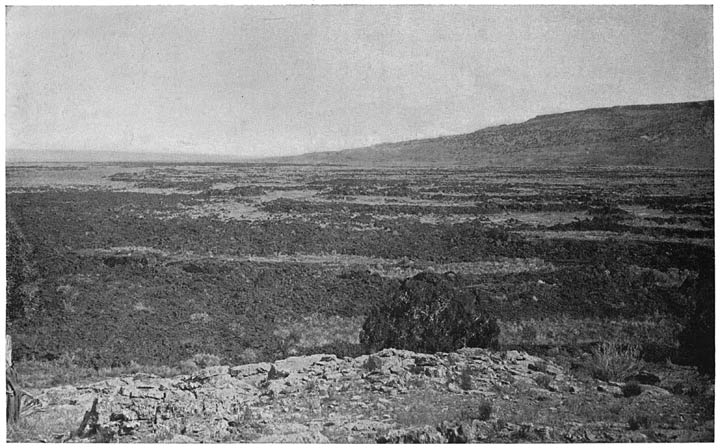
(638, 421)
(66, 370)
(614, 360)
(227, 277)
(373, 363)
(544, 380)
(199, 361)
(484, 411)
(466, 378)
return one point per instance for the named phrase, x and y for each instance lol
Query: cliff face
(663, 135)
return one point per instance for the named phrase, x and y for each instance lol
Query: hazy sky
(283, 80)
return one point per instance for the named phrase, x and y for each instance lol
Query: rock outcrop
(390, 396)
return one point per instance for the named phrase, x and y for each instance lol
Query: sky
(283, 80)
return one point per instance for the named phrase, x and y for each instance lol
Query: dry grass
(35, 374)
(561, 330)
(51, 426)
(199, 361)
(613, 360)
(317, 330)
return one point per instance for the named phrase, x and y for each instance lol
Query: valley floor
(166, 269)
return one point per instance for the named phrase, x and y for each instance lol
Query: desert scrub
(659, 331)
(429, 313)
(636, 422)
(466, 379)
(199, 361)
(482, 411)
(543, 380)
(614, 361)
(316, 330)
(697, 340)
(631, 389)
(248, 356)
(68, 369)
(373, 363)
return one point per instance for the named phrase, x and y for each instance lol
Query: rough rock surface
(390, 396)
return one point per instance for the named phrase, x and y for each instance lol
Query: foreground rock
(394, 396)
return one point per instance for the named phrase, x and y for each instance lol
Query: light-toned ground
(472, 395)
(600, 235)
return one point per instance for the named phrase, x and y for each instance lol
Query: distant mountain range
(660, 135)
(59, 156)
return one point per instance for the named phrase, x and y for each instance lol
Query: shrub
(631, 389)
(187, 366)
(543, 380)
(482, 412)
(529, 333)
(248, 356)
(614, 361)
(373, 363)
(429, 313)
(206, 360)
(466, 380)
(697, 340)
(485, 410)
(636, 422)
(199, 361)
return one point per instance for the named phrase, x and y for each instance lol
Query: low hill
(661, 135)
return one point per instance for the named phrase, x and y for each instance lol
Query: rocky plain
(371, 296)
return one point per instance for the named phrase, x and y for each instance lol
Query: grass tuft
(614, 361)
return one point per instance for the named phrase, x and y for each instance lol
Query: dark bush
(697, 340)
(485, 410)
(631, 389)
(479, 411)
(429, 313)
(466, 379)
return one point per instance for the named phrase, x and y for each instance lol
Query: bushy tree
(429, 313)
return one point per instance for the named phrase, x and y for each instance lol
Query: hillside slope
(677, 135)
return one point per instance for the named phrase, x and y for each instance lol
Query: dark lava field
(113, 263)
